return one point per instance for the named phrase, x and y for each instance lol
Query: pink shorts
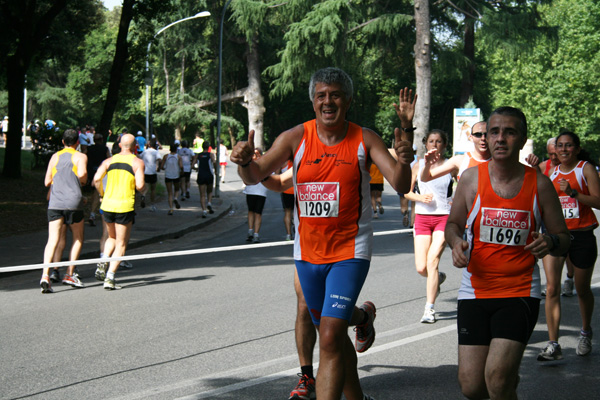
(427, 224)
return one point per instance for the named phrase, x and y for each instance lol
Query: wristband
(409, 130)
(555, 241)
(574, 193)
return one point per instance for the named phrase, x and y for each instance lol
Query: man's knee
(472, 387)
(333, 333)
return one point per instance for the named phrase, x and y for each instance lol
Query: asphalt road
(220, 325)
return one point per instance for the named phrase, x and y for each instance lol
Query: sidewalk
(150, 227)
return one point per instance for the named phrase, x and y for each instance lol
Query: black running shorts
(481, 320)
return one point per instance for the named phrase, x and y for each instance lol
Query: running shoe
(177, 206)
(381, 208)
(92, 220)
(204, 214)
(109, 284)
(441, 279)
(210, 209)
(143, 202)
(428, 316)
(375, 216)
(584, 347)
(45, 284)
(255, 238)
(187, 195)
(551, 352)
(182, 198)
(101, 271)
(249, 238)
(405, 218)
(170, 212)
(55, 276)
(543, 292)
(288, 237)
(76, 273)
(153, 208)
(365, 333)
(126, 264)
(567, 288)
(305, 389)
(72, 280)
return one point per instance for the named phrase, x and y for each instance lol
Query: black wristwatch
(409, 130)
(574, 193)
(555, 241)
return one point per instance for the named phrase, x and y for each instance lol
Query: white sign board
(464, 119)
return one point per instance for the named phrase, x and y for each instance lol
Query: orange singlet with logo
(468, 162)
(333, 203)
(577, 215)
(497, 231)
(288, 166)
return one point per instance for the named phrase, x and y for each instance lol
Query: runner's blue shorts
(331, 290)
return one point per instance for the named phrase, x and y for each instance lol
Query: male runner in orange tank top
(502, 204)
(348, 149)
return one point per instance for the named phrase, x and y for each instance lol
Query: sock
(586, 333)
(250, 232)
(255, 234)
(308, 371)
(110, 275)
(428, 305)
(209, 204)
(101, 255)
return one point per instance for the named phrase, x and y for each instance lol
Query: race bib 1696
(503, 226)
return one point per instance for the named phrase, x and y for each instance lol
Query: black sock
(307, 370)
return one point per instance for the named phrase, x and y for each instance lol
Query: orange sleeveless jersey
(333, 207)
(288, 166)
(468, 162)
(577, 215)
(497, 231)
(376, 175)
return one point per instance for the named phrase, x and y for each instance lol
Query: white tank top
(440, 205)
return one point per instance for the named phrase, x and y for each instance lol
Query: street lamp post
(149, 79)
(217, 191)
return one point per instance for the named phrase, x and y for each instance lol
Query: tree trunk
(422, 71)
(466, 87)
(118, 65)
(253, 99)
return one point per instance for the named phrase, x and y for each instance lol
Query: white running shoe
(428, 316)
(567, 288)
(584, 347)
(550, 352)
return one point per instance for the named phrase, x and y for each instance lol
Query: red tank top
(333, 208)
(497, 231)
(577, 215)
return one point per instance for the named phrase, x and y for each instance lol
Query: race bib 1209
(319, 199)
(503, 226)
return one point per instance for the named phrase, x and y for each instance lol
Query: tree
(422, 70)
(557, 84)
(30, 32)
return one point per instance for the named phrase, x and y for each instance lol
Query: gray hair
(551, 141)
(328, 76)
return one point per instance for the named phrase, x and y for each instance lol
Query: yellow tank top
(119, 196)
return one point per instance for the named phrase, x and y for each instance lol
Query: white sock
(110, 275)
(255, 234)
(250, 232)
(429, 305)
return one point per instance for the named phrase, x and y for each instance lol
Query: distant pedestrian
(67, 171)
(256, 196)
(125, 175)
(141, 142)
(186, 156)
(151, 158)
(223, 153)
(4, 130)
(287, 201)
(376, 186)
(172, 165)
(96, 154)
(205, 178)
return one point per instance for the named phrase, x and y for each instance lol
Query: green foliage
(557, 85)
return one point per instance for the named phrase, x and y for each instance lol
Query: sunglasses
(478, 134)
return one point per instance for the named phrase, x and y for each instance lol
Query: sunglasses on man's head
(478, 134)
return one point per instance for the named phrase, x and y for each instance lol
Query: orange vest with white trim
(333, 205)
(498, 229)
(577, 215)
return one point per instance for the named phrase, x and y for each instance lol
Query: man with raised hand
(332, 250)
(125, 175)
(502, 203)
